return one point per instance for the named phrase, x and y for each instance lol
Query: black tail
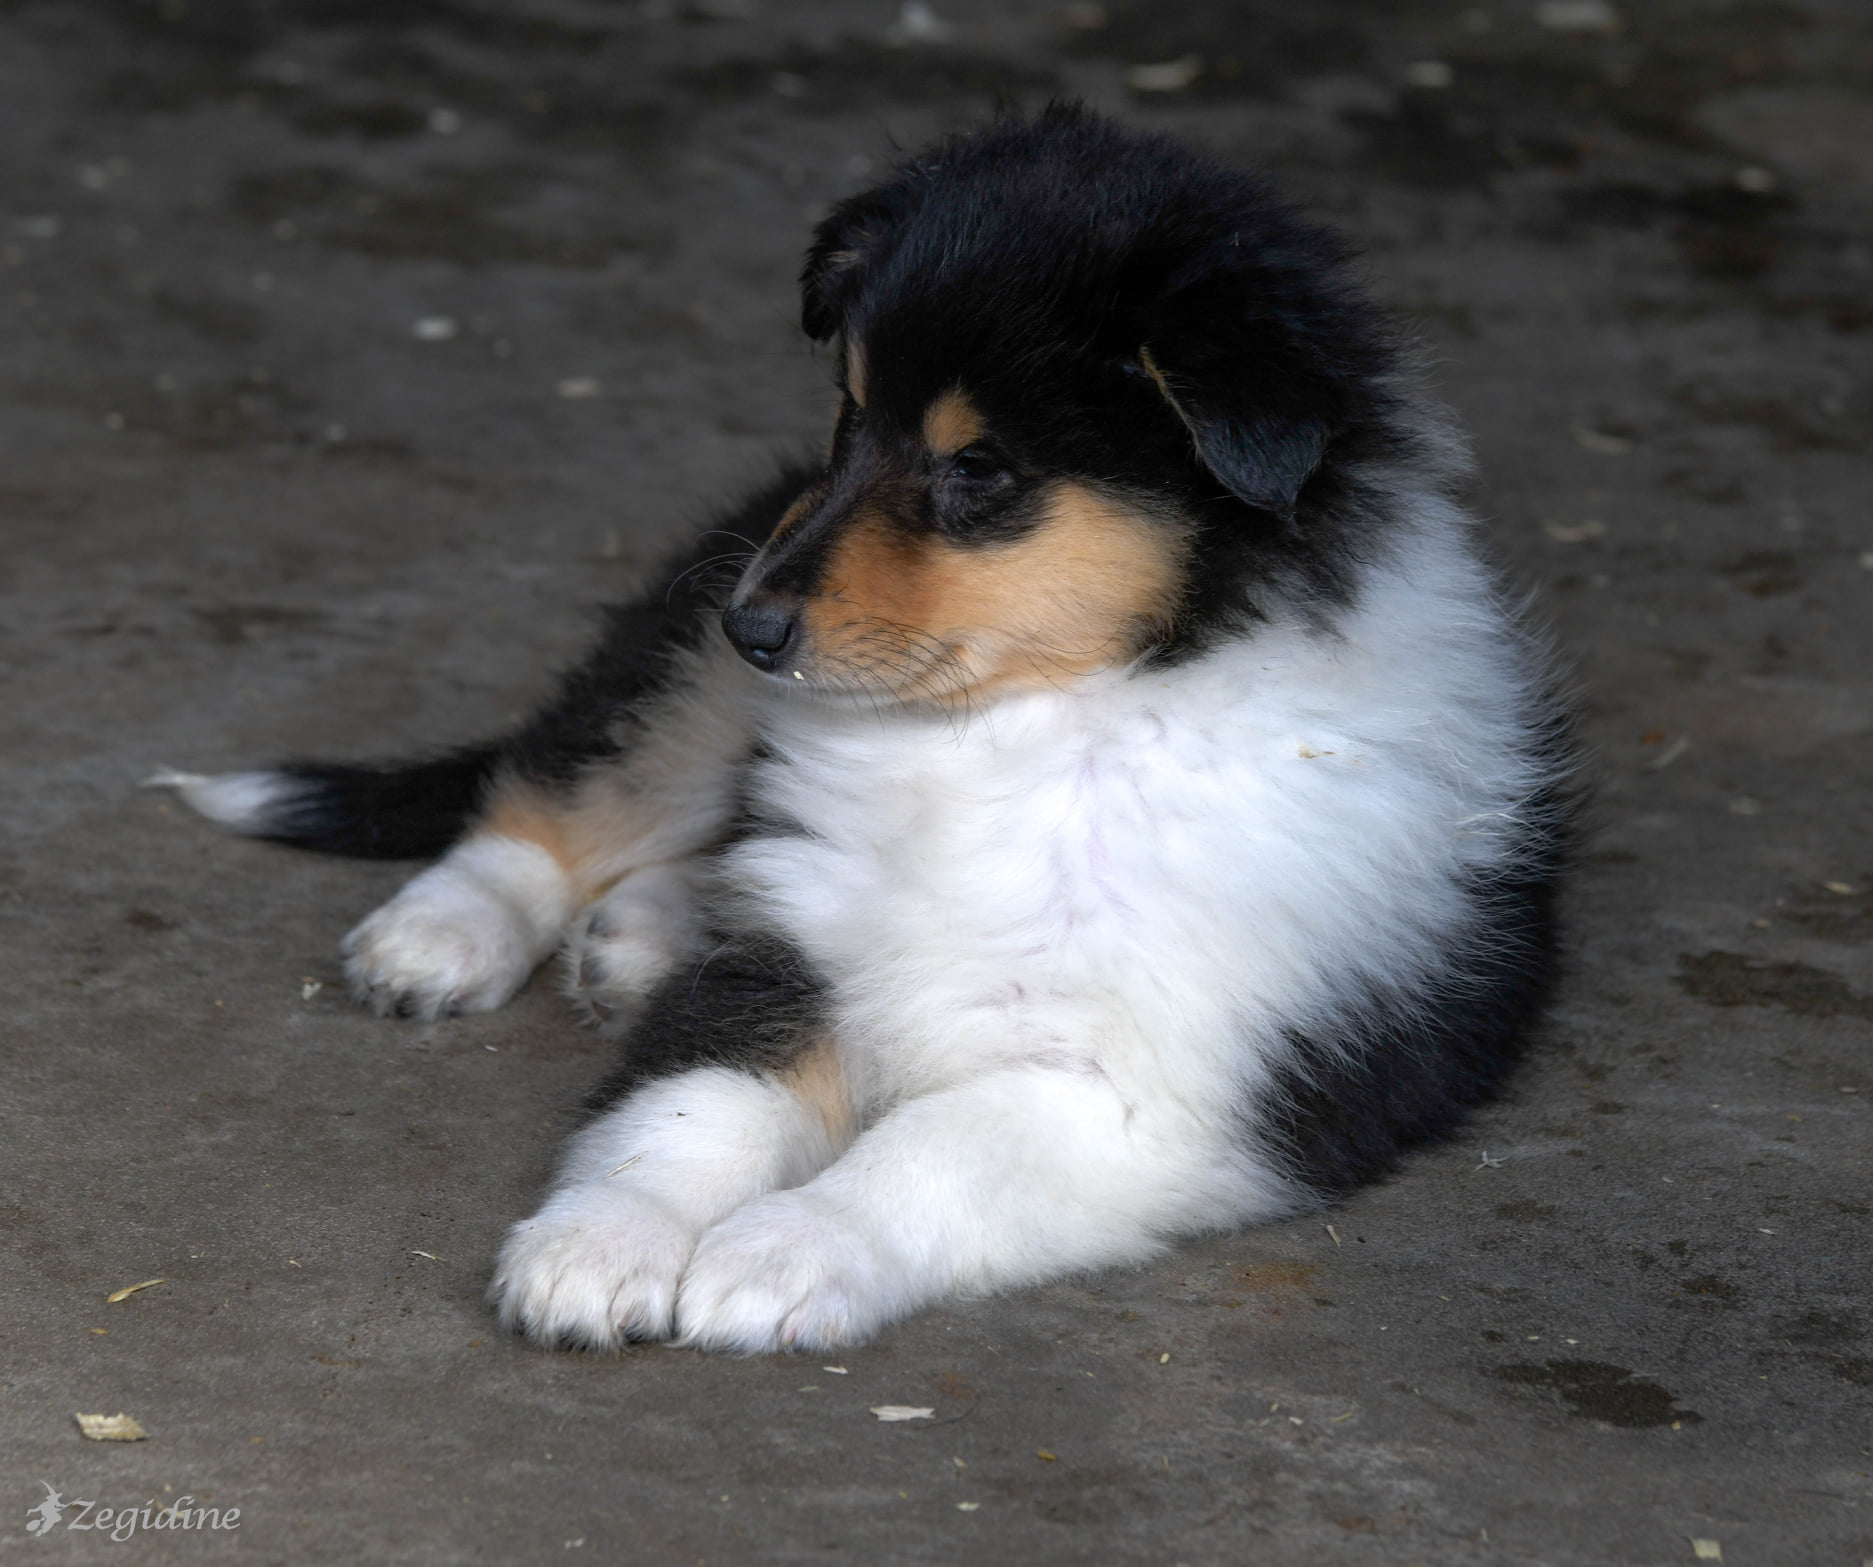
(380, 813)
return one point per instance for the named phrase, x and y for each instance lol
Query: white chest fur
(1154, 875)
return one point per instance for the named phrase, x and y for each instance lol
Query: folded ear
(1258, 398)
(849, 237)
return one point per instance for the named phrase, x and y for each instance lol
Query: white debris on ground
(1165, 76)
(917, 23)
(110, 1428)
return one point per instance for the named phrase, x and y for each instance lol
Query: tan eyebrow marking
(951, 423)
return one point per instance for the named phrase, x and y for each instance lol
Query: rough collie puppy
(1113, 802)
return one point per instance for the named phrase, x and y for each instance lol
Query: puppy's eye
(973, 467)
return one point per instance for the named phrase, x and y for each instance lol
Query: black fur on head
(1125, 310)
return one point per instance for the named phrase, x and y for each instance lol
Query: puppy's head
(1097, 397)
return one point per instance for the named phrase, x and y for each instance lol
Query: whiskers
(892, 665)
(718, 565)
(889, 665)
(1059, 666)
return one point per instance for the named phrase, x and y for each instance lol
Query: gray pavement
(250, 508)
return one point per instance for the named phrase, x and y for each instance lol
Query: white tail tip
(246, 802)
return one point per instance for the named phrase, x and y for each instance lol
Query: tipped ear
(1259, 405)
(842, 245)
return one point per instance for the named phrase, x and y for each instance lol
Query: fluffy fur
(1113, 801)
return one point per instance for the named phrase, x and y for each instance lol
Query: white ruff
(1151, 876)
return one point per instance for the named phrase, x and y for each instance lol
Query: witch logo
(44, 1518)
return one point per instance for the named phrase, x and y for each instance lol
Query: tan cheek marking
(951, 423)
(855, 372)
(1085, 590)
(816, 1077)
(875, 579)
(1082, 592)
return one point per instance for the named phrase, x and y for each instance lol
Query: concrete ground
(352, 350)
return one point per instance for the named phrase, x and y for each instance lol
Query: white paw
(413, 956)
(461, 937)
(596, 1266)
(628, 941)
(783, 1272)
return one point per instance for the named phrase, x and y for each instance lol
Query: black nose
(760, 632)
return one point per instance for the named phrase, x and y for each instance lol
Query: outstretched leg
(727, 1091)
(1022, 1175)
(628, 771)
(464, 935)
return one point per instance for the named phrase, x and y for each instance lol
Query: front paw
(596, 1266)
(784, 1272)
(461, 937)
(418, 961)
